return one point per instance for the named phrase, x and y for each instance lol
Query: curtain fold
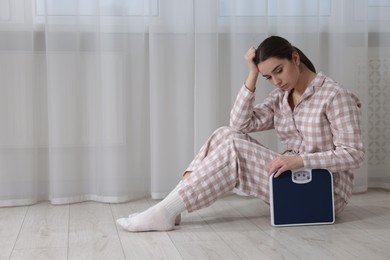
(110, 100)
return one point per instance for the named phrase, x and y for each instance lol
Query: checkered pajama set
(323, 128)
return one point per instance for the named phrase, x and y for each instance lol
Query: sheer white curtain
(110, 100)
(74, 107)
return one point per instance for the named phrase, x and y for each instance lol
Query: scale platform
(302, 197)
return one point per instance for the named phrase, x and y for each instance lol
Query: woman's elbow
(358, 157)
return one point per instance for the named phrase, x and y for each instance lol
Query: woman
(317, 120)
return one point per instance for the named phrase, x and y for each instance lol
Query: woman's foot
(160, 217)
(155, 218)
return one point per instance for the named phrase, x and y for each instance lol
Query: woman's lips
(284, 87)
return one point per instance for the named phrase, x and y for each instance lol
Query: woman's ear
(296, 58)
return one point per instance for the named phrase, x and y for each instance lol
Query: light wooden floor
(233, 228)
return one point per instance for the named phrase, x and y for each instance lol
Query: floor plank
(92, 232)
(256, 245)
(206, 250)
(235, 227)
(45, 226)
(11, 220)
(148, 245)
(40, 253)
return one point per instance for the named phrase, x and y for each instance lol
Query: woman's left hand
(283, 163)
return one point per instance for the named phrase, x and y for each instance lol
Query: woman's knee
(226, 132)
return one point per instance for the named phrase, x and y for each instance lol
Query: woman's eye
(279, 71)
(267, 78)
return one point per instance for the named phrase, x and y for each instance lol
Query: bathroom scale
(302, 197)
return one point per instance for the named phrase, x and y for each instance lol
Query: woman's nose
(276, 81)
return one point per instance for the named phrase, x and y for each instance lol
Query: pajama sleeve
(344, 115)
(248, 118)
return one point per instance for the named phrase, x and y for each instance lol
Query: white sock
(178, 220)
(160, 217)
(178, 217)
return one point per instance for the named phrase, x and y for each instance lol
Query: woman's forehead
(267, 66)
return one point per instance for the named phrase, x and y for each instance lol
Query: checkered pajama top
(324, 127)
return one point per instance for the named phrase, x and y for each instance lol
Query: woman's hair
(279, 47)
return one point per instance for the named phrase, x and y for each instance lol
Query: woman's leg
(228, 159)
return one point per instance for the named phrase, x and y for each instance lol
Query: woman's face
(282, 73)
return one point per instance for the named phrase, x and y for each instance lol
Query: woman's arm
(253, 73)
(248, 118)
(244, 116)
(344, 116)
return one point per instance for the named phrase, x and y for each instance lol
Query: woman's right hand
(250, 83)
(249, 56)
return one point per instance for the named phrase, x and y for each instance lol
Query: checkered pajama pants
(229, 159)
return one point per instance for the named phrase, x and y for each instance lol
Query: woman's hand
(250, 83)
(283, 163)
(249, 56)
